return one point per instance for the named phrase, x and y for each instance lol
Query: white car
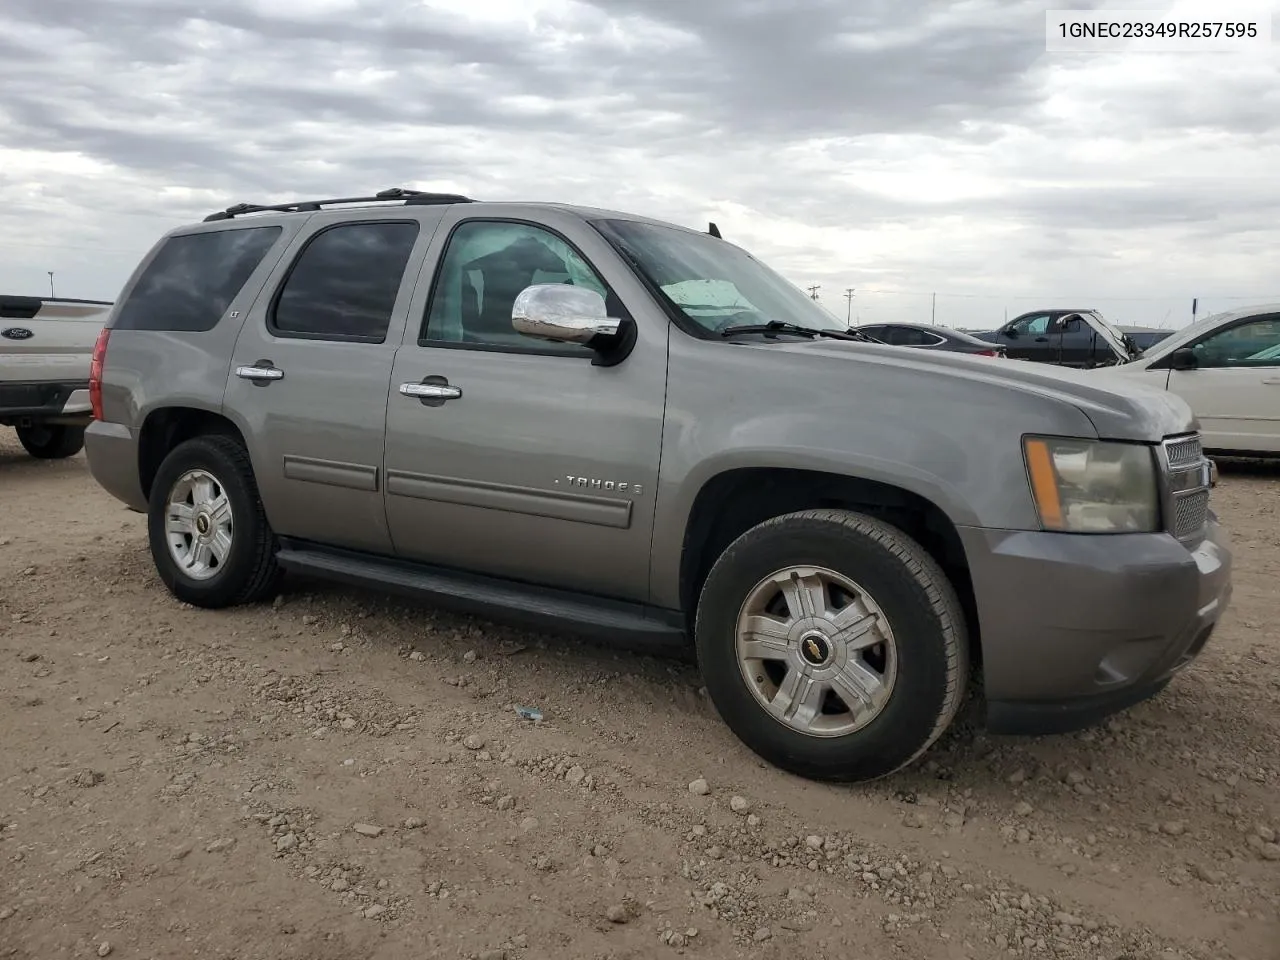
(1227, 367)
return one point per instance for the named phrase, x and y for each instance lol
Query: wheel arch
(166, 427)
(737, 499)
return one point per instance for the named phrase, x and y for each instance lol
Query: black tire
(249, 572)
(51, 441)
(917, 600)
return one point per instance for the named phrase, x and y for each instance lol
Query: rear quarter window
(192, 280)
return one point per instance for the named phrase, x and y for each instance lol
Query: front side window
(1254, 343)
(1036, 324)
(485, 267)
(709, 283)
(190, 283)
(343, 285)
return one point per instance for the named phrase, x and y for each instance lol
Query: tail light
(95, 373)
(987, 353)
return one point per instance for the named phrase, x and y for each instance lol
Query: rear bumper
(1075, 628)
(112, 452)
(44, 401)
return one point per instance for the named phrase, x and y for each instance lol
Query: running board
(615, 622)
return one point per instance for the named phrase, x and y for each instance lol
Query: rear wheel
(51, 441)
(209, 535)
(832, 644)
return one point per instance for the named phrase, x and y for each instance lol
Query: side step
(614, 622)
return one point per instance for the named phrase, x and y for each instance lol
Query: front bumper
(1077, 627)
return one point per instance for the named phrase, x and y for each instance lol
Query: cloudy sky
(893, 146)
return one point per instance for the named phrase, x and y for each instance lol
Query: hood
(1118, 408)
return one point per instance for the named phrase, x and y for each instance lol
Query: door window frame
(535, 348)
(1022, 324)
(270, 315)
(1242, 364)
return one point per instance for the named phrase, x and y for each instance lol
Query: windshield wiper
(780, 326)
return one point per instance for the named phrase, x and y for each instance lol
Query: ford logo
(17, 333)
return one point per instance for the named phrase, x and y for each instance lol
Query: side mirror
(1010, 332)
(1184, 358)
(563, 313)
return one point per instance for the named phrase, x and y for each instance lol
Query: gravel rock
(223, 843)
(761, 935)
(414, 823)
(1174, 828)
(104, 949)
(473, 741)
(1270, 851)
(373, 911)
(469, 657)
(417, 656)
(367, 830)
(617, 913)
(739, 804)
(575, 774)
(1024, 809)
(699, 787)
(287, 842)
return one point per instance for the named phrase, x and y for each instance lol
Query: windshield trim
(668, 306)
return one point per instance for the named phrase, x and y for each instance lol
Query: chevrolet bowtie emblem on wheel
(815, 649)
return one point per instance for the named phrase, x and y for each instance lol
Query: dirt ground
(338, 775)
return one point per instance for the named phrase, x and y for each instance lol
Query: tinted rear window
(192, 280)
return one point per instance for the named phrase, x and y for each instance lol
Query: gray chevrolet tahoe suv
(594, 422)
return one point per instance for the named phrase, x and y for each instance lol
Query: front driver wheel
(209, 535)
(832, 644)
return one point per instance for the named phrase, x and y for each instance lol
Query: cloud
(898, 147)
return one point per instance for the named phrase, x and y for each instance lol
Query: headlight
(1092, 486)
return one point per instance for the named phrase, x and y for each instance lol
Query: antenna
(714, 231)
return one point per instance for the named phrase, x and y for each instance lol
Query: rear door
(311, 367)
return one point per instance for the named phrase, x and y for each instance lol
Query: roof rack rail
(410, 198)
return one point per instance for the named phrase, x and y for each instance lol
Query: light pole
(813, 291)
(51, 293)
(848, 316)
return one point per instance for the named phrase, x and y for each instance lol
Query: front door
(528, 462)
(1030, 340)
(308, 380)
(1234, 389)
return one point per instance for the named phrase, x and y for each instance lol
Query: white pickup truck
(46, 348)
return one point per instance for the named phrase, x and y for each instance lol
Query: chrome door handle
(431, 391)
(261, 373)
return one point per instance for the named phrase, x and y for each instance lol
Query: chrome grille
(1183, 452)
(1186, 488)
(1190, 512)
